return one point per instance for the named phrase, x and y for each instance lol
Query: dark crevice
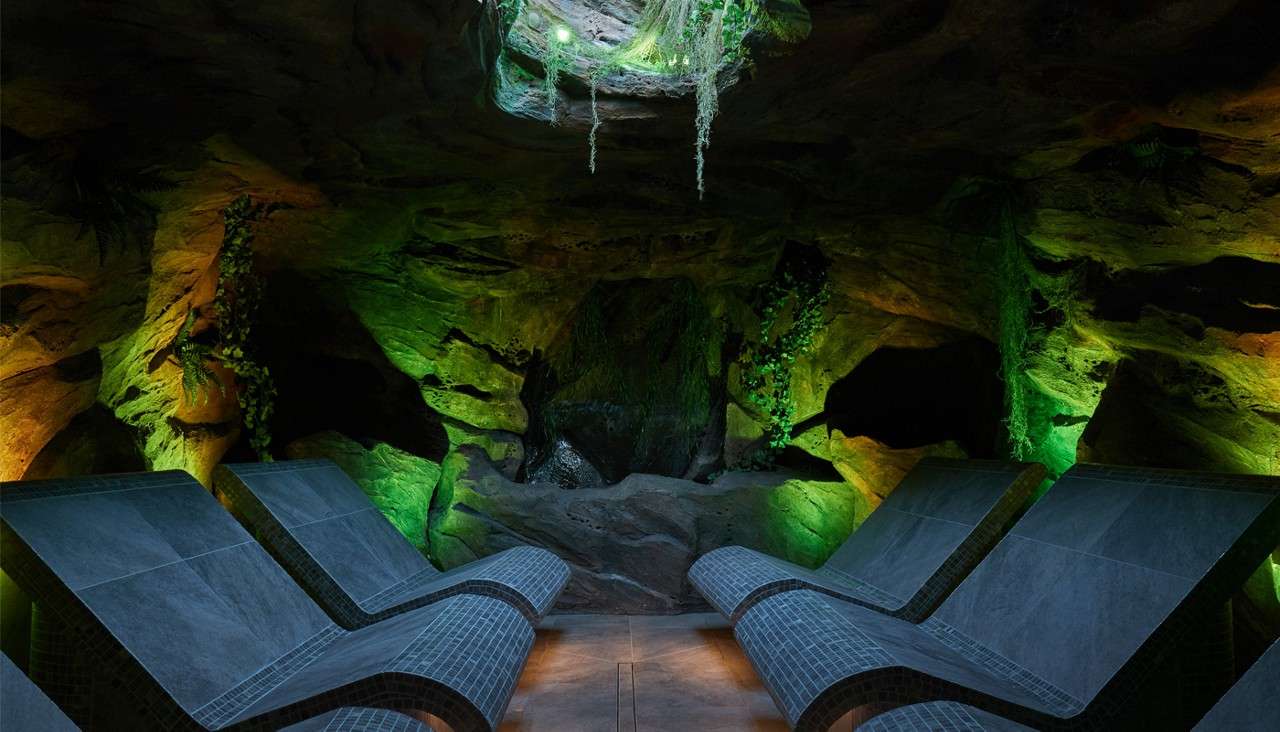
(1233, 293)
(910, 397)
(331, 374)
(94, 442)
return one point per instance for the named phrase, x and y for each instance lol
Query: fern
(193, 358)
(109, 202)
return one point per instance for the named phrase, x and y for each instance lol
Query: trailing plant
(991, 208)
(799, 288)
(1014, 304)
(691, 38)
(236, 301)
(554, 62)
(193, 358)
(603, 69)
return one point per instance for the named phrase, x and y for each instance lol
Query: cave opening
(911, 397)
(609, 286)
(330, 374)
(630, 385)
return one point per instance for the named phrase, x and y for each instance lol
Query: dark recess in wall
(1233, 293)
(909, 397)
(330, 374)
(94, 442)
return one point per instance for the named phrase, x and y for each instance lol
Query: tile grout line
(626, 698)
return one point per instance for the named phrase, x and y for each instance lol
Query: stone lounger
(321, 526)
(1252, 705)
(175, 603)
(1058, 628)
(24, 707)
(906, 557)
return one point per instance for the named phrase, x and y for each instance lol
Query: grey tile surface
(23, 707)
(316, 521)
(1059, 627)
(1253, 703)
(194, 619)
(904, 559)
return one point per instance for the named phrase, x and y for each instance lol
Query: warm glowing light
(563, 35)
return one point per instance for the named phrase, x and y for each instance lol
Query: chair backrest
(24, 707)
(944, 509)
(149, 564)
(1110, 565)
(1253, 703)
(313, 504)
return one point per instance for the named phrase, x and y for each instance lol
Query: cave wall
(432, 258)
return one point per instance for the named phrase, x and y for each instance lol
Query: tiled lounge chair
(359, 719)
(1057, 628)
(1252, 705)
(178, 605)
(906, 557)
(321, 526)
(24, 707)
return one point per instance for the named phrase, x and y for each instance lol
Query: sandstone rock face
(436, 246)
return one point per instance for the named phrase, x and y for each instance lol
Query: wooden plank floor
(601, 673)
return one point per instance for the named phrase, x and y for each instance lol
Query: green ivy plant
(693, 38)
(193, 358)
(236, 303)
(799, 287)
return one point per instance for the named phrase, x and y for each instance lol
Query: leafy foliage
(193, 358)
(110, 202)
(990, 208)
(799, 289)
(554, 62)
(237, 300)
(694, 38)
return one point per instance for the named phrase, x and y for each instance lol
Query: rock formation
(1083, 195)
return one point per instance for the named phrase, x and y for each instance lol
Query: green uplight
(563, 35)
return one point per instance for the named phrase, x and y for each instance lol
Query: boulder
(630, 544)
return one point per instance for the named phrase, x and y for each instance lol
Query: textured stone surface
(444, 242)
(630, 544)
(398, 483)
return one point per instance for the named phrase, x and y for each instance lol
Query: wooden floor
(601, 673)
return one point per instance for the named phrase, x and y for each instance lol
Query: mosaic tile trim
(796, 651)
(1054, 699)
(734, 578)
(225, 708)
(938, 717)
(528, 578)
(364, 719)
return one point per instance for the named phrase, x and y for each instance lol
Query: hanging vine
(236, 303)
(696, 39)
(800, 288)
